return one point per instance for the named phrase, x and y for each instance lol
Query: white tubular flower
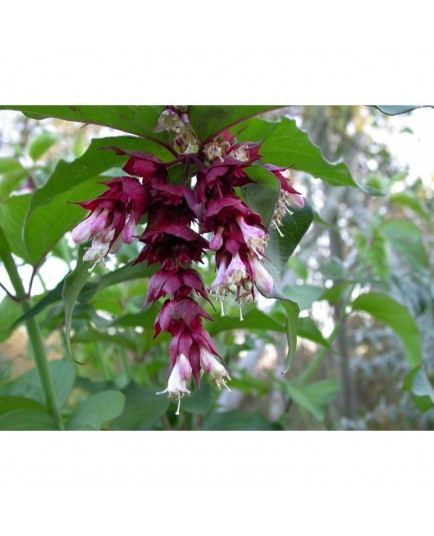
(212, 366)
(255, 238)
(83, 231)
(129, 230)
(178, 380)
(236, 272)
(263, 279)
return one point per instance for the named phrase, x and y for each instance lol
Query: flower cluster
(185, 219)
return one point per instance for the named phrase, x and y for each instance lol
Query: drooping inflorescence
(186, 220)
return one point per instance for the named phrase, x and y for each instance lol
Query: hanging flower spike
(113, 218)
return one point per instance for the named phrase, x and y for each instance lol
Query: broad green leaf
(143, 408)
(200, 400)
(97, 410)
(262, 194)
(209, 120)
(11, 175)
(286, 145)
(396, 316)
(140, 120)
(27, 420)
(406, 238)
(27, 385)
(40, 144)
(280, 248)
(238, 421)
(292, 311)
(72, 286)
(11, 403)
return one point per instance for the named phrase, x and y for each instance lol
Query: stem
(34, 334)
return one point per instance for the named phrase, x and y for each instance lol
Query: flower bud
(263, 279)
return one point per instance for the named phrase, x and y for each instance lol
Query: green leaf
(411, 201)
(395, 315)
(143, 408)
(303, 400)
(406, 238)
(140, 120)
(279, 249)
(308, 330)
(199, 402)
(262, 194)
(40, 144)
(72, 286)
(238, 421)
(397, 109)
(313, 397)
(10, 310)
(27, 385)
(286, 145)
(292, 311)
(11, 175)
(27, 420)
(209, 120)
(305, 295)
(253, 320)
(11, 403)
(101, 336)
(97, 410)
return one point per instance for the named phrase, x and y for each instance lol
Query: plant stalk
(33, 332)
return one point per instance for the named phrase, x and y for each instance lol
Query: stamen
(278, 230)
(179, 405)
(241, 314)
(221, 305)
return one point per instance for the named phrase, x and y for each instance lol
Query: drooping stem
(33, 332)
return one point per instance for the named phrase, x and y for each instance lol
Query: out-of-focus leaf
(419, 385)
(209, 120)
(411, 201)
(27, 420)
(292, 311)
(40, 144)
(11, 175)
(101, 336)
(10, 310)
(406, 238)
(11, 403)
(143, 408)
(238, 420)
(308, 330)
(396, 316)
(199, 402)
(305, 295)
(27, 385)
(97, 410)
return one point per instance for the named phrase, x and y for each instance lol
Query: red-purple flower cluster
(177, 218)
